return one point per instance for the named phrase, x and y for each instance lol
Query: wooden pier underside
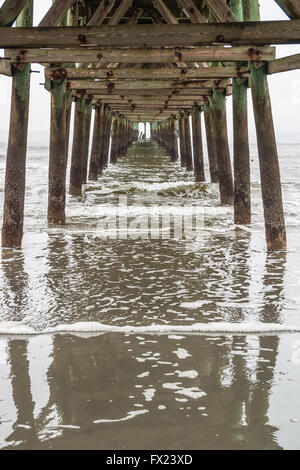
(166, 62)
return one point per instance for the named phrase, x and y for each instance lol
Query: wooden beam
(141, 55)
(191, 11)
(285, 64)
(164, 11)
(290, 7)
(101, 12)
(178, 93)
(10, 11)
(56, 12)
(132, 85)
(5, 68)
(120, 12)
(221, 10)
(180, 35)
(151, 74)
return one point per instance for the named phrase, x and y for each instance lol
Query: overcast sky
(284, 87)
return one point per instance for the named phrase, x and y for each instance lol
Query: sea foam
(20, 328)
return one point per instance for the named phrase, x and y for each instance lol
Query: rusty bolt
(99, 56)
(82, 38)
(220, 38)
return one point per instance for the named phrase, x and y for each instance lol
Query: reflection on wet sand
(127, 391)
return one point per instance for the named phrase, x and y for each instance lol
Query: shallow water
(141, 390)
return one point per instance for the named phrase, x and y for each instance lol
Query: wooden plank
(141, 56)
(101, 12)
(132, 85)
(284, 64)
(5, 68)
(290, 7)
(56, 12)
(180, 35)
(151, 74)
(10, 11)
(221, 10)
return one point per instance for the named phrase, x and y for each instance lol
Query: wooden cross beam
(290, 7)
(140, 84)
(164, 11)
(161, 98)
(101, 12)
(10, 11)
(284, 64)
(180, 35)
(178, 94)
(142, 56)
(221, 10)
(120, 11)
(56, 12)
(191, 11)
(150, 74)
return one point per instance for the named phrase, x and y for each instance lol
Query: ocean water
(121, 336)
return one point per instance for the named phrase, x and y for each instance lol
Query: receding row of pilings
(112, 135)
(234, 186)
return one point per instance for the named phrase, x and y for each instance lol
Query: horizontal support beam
(160, 104)
(141, 56)
(143, 84)
(149, 99)
(285, 64)
(150, 73)
(179, 93)
(146, 35)
(5, 68)
(56, 12)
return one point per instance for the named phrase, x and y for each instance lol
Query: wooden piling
(241, 156)
(188, 143)
(197, 144)
(182, 140)
(96, 143)
(174, 143)
(86, 139)
(57, 156)
(211, 143)
(267, 150)
(14, 196)
(222, 147)
(76, 163)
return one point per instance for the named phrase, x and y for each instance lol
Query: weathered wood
(197, 144)
(181, 126)
(211, 143)
(285, 64)
(86, 139)
(96, 143)
(290, 7)
(120, 12)
(57, 156)
(76, 163)
(188, 142)
(191, 11)
(151, 74)
(101, 12)
(174, 141)
(164, 11)
(102, 160)
(10, 11)
(162, 35)
(221, 10)
(56, 12)
(222, 148)
(141, 55)
(5, 68)
(135, 85)
(168, 93)
(241, 157)
(267, 152)
(14, 193)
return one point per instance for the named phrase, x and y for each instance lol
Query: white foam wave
(20, 328)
